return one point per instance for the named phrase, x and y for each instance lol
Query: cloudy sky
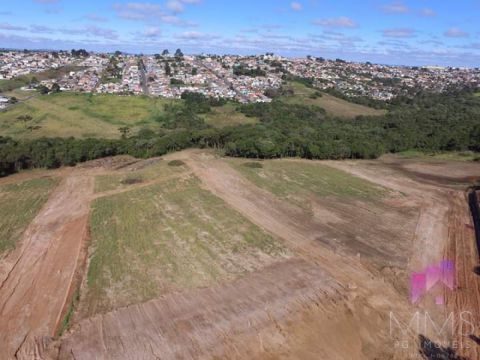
(411, 32)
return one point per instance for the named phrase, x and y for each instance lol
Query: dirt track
(36, 283)
(462, 249)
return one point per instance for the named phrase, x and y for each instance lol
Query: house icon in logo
(432, 277)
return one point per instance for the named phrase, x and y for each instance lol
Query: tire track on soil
(37, 284)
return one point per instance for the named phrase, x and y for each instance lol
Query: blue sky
(420, 32)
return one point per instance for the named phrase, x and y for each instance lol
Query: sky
(409, 32)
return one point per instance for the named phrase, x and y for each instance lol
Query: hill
(81, 115)
(334, 106)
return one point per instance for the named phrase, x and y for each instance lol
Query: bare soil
(331, 300)
(37, 277)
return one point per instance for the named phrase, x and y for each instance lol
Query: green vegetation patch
(156, 171)
(19, 204)
(450, 155)
(227, 115)
(168, 237)
(297, 181)
(176, 163)
(334, 106)
(253, 165)
(74, 114)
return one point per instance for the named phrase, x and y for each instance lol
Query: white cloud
(7, 26)
(342, 21)
(427, 12)
(399, 33)
(95, 17)
(455, 33)
(296, 6)
(396, 8)
(137, 10)
(192, 35)
(42, 29)
(152, 32)
(175, 6)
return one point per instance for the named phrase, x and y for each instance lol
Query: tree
(42, 89)
(178, 53)
(124, 131)
(165, 52)
(55, 88)
(168, 69)
(194, 71)
(475, 138)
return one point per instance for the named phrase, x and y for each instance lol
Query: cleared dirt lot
(295, 259)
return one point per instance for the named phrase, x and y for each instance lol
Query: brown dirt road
(36, 278)
(466, 299)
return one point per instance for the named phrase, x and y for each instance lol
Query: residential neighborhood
(241, 78)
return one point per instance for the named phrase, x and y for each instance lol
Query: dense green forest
(431, 122)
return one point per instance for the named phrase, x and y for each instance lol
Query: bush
(176, 163)
(131, 181)
(253, 165)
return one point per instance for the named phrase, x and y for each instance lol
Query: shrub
(253, 165)
(131, 181)
(176, 163)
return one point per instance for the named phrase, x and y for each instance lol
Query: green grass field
(227, 115)
(19, 204)
(83, 115)
(453, 155)
(167, 237)
(298, 181)
(124, 179)
(333, 105)
(80, 115)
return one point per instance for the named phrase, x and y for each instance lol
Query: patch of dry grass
(168, 237)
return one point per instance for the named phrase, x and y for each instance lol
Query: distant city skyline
(422, 32)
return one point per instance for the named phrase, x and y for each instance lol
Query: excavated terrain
(332, 297)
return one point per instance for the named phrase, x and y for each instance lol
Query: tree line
(429, 122)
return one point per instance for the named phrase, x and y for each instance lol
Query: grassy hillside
(333, 105)
(83, 115)
(227, 115)
(19, 203)
(80, 115)
(298, 181)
